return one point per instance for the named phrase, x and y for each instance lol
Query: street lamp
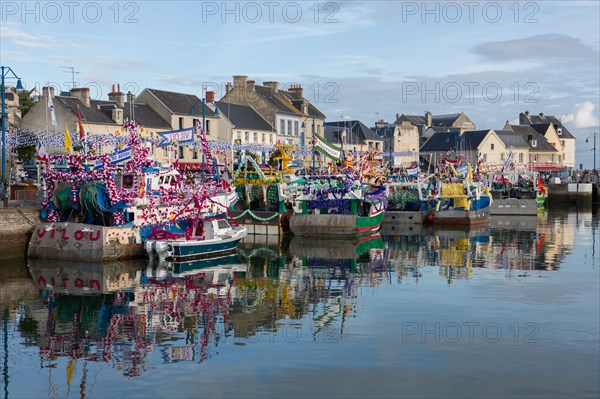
(391, 129)
(313, 139)
(5, 72)
(594, 149)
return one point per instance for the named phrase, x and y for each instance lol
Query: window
(246, 137)
(195, 153)
(255, 137)
(559, 131)
(562, 143)
(550, 158)
(520, 157)
(492, 146)
(263, 138)
(239, 135)
(484, 157)
(289, 127)
(559, 159)
(319, 129)
(534, 157)
(180, 152)
(165, 152)
(194, 122)
(207, 129)
(127, 181)
(295, 128)
(180, 123)
(501, 156)
(282, 127)
(534, 143)
(271, 138)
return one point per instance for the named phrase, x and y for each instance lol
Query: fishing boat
(104, 207)
(337, 206)
(207, 235)
(410, 202)
(466, 204)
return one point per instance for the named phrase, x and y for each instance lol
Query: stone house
(450, 122)
(406, 138)
(293, 117)
(556, 134)
(543, 156)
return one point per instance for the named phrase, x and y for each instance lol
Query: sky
(355, 59)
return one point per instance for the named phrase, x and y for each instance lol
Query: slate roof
(470, 140)
(358, 131)
(91, 114)
(542, 144)
(243, 117)
(180, 103)
(531, 119)
(436, 120)
(297, 103)
(280, 101)
(100, 112)
(145, 116)
(440, 141)
(512, 139)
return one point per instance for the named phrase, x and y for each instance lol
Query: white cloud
(583, 116)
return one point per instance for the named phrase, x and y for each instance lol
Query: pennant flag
(41, 152)
(80, 124)
(464, 169)
(52, 113)
(413, 171)
(68, 143)
(180, 136)
(116, 157)
(507, 162)
(327, 148)
(142, 187)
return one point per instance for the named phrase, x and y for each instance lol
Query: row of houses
(249, 113)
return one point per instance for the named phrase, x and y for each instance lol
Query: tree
(25, 103)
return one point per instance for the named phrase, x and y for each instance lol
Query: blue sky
(355, 60)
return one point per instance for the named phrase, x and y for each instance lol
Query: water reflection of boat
(518, 223)
(81, 278)
(308, 247)
(216, 274)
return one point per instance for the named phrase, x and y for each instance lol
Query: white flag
(51, 106)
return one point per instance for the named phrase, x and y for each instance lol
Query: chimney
(239, 81)
(130, 97)
(541, 114)
(529, 137)
(227, 87)
(297, 91)
(428, 119)
(250, 84)
(274, 86)
(83, 94)
(209, 96)
(45, 91)
(526, 113)
(117, 116)
(117, 96)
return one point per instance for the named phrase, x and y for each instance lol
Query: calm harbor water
(510, 310)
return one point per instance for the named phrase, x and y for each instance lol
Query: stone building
(555, 133)
(293, 116)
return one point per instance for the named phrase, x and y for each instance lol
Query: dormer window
(534, 143)
(559, 131)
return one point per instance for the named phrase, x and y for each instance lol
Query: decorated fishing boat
(337, 206)
(103, 207)
(465, 203)
(410, 202)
